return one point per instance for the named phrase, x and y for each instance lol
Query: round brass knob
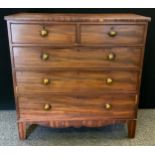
(108, 106)
(44, 33)
(44, 56)
(47, 107)
(112, 33)
(46, 81)
(109, 81)
(111, 56)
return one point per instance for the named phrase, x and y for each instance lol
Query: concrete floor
(109, 135)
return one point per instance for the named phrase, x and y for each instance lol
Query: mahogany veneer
(76, 69)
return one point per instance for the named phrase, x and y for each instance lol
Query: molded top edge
(68, 17)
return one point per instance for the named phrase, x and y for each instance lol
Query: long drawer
(75, 81)
(112, 34)
(115, 57)
(73, 107)
(38, 33)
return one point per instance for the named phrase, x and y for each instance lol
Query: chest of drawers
(73, 70)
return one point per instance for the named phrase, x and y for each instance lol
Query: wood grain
(30, 33)
(75, 81)
(30, 57)
(70, 17)
(76, 107)
(126, 34)
(97, 122)
(77, 68)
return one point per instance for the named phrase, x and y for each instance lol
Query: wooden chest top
(76, 17)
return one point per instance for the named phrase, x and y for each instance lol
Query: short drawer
(40, 34)
(77, 107)
(75, 81)
(112, 34)
(47, 58)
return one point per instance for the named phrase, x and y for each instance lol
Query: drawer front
(115, 57)
(73, 107)
(33, 33)
(75, 81)
(112, 34)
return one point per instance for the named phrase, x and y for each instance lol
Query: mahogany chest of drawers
(73, 70)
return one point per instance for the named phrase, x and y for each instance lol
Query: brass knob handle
(108, 106)
(44, 33)
(111, 56)
(112, 33)
(109, 81)
(47, 107)
(46, 81)
(44, 56)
